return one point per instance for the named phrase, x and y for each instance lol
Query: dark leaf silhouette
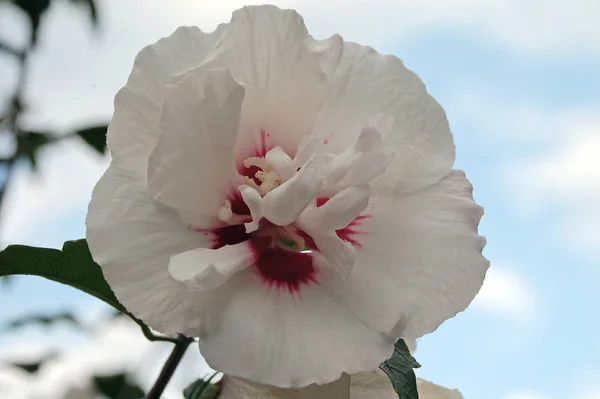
(44, 320)
(95, 136)
(117, 387)
(34, 9)
(30, 143)
(202, 389)
(91, 4)
(399, 368)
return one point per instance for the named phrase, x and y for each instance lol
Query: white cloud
(568, 176)
(118, 347)
(86, 74)
(67, 174)
(539, 26)
(590, 395)
(507, 294)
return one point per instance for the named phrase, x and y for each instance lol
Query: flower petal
(253, 200)
(288, 341)
(192, 167)
(419, 261)
(338, 212)
(284, 204)
(237, 388)
(201, 269)
(281, 162)
(372, 385)
(267, 49)
(132, 132)
(132, 238)
(363, 84)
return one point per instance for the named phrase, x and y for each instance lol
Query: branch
(169, 368)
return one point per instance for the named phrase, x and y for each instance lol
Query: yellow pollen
(269, 179)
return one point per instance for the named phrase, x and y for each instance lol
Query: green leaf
(399, 368)
(117, 387)
(202, 389)
(44, 320)
(73, 266)
(92, 8)
(29, 367)
(34, 9)
(95, 136)
(30, 143)
(33, 367)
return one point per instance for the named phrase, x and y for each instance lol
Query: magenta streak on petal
(260, 150)
(350, 232)
(284, 269)
(229, 235)
(276, 266)
(238, 206)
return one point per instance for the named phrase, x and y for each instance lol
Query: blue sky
(521, 87)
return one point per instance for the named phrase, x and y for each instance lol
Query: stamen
(269, 178)
(256, 161)
(254, 201)
(225, 214)
(281, 163)
(289, 240)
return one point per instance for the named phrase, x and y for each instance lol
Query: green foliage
(30, 143)
(117, 387)
(399, 368)
(202, 389)
(92, 9)
(34, 366)
(95, 137)
(28, 367)
(34, 9)
(44, 320)
(73, 266)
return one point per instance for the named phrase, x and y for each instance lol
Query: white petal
(419, 261)
(267, 49)
(284, 204)
(282, 340)
(132, 237)
(309, 147)
(338, 212)
(363, 84)
(367, 167)
(253, 199)
(339, 254)
(429, 390)
(368, 139)
(132, 132)
(237, 388)
(202, 268)
(372, 385)
(192, 167)
(383, 123)
(281, 162)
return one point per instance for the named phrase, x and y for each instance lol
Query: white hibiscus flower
(365, 385)
(289, 201)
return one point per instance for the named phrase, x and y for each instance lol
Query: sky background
(520, 81)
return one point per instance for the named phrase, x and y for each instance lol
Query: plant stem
(170, 365)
